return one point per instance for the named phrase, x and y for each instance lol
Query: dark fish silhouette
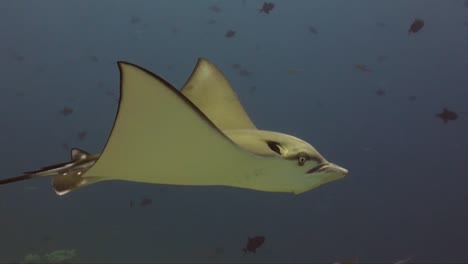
(65, 147)
(112, 95)
(266, 8)
(380, 24)
(416, 26)
(94, 58)
(380, 92)
(135, 20)
(215, 9)
(381, 58)
(313, 30)
(447, 115)
(219, 250)
(362, 67)
(253, 244)
(19, 57)
(81, 135)
(66, 111)
(230, 33)
(245, 73)
(412, 98)
(145, 201)
(242, 71)
(46, 238)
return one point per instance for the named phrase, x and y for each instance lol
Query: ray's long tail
(66, 176)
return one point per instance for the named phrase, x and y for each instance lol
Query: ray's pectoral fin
(160, 136)
(211, 92)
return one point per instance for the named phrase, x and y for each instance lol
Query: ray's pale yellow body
(198, 136)
(196, 154)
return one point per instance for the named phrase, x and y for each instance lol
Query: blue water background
(406, 193)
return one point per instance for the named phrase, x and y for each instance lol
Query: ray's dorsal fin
(78, 154)
(211, 92)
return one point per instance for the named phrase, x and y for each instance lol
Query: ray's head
(301, 167)
(312, 168)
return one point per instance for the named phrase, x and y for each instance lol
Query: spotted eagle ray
(199, 136)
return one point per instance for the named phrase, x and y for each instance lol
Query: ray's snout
(329, 168)
(339, 169)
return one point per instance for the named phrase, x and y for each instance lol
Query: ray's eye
(301, 160)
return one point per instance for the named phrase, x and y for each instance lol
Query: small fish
(215, 9)
(94, 58)
(447, 115)
(253, 244)
(65, 147)
(19, 57)
(230, 33)
(295, 71)
(236, 66)
(219, 250)
(245, 73)
(416, 26)
(312, 30)
(266, 8)
(110, 93)
(380, 92)
(412, 98)
(346, 262)
(402, 261)
(380, 24)
(66, 111)
(46, 238)
(252, 88)
(381, 58)
(131, 203)
(145, 201)
(362, 67)
(135, 20)
(81, 135)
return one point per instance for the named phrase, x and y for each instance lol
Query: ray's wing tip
(203, 59)
(121, 64)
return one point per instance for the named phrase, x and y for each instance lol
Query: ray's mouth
(318, 168)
